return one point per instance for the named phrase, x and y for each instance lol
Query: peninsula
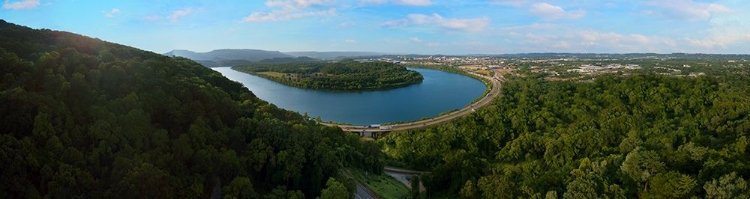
(343, 75)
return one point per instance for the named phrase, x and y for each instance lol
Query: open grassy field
(272, 74)
(384, 185)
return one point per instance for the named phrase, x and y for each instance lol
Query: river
(439, 92)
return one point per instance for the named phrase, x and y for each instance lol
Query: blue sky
(401, 26)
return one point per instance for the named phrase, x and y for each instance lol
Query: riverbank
(455, 70)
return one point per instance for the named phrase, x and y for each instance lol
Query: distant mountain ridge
(232, 57)
(228, 54)
(257, 55)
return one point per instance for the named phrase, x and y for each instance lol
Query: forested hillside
(343, 75)
(644, 136)
(84, 118)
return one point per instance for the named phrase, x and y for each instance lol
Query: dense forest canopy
(639, 136)
(343, 75)
(84, 118)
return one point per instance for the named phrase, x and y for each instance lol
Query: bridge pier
(371, 134)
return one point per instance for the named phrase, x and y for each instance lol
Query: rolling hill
(86, 118)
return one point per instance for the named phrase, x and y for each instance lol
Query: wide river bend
(439, 92)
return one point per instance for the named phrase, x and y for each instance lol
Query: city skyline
(402, 26)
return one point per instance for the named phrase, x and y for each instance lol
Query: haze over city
(402, 26)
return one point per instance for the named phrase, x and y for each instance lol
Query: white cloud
(400, 2)
(296, 4)
(684, 9)
(112, 13)
(414, 2)
(173, 17)
(290, 9)
(283, 15)
(415, 39)
(434, 44)
(704, 43)
(350, 41)
(551, 12)
(345, 25)
(152, 18)
(570, 39)
(177, 14)
(20, 5)
(591, 39)
(373, 1)
(531, 27)
(475, 24)
(726, 29)
(516, 3)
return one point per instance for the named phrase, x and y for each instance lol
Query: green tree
(496, 186)
(641, 165)
(334, 190)
(240, 187)
(726, 187)
(468, 191)
(671, 185)
(146, 181)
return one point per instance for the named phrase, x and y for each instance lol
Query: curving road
(494, 92)
(362, 193)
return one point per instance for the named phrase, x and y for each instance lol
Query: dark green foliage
(335, 190)
(83, 118)
(645, 136)
(445, 68)
(344, 75)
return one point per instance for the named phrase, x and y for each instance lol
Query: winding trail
(484, 101)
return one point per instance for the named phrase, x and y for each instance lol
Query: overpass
(484, 101)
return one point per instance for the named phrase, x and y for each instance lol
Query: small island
(343, 75)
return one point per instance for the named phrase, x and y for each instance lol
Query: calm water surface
(439, 92)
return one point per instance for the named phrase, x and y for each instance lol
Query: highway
(484, 101)
(362, 193)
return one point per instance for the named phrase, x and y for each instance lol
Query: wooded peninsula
(343, 75)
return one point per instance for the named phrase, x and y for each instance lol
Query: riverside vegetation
(84, 118)
(343, 75)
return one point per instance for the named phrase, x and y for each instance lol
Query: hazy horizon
(446, 54)
(403, 26)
